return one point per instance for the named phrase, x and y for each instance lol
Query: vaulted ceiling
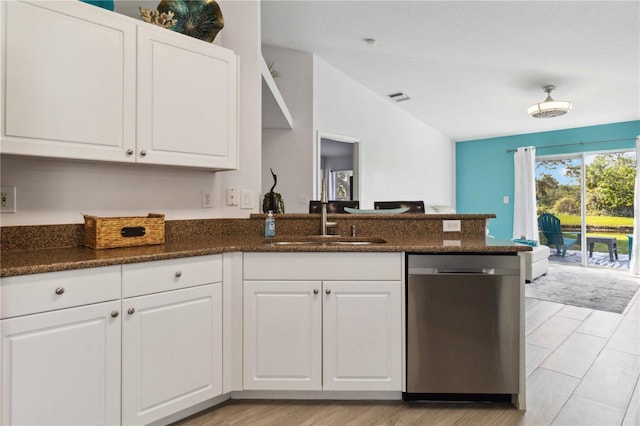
(472, 68)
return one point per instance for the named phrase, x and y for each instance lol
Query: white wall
(242, 34)
(58, 191)
(290, 152)
(401, 158)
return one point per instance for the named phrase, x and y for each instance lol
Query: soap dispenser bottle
(270, 225)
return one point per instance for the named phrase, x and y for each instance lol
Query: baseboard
(192, 410)
(326, 395)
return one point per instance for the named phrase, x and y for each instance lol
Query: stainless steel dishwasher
(463, 324)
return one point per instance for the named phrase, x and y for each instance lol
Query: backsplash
(35, 237)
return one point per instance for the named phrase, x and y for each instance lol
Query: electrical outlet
(8, 199)
(205, 199)
(451, 226)
(232, 196)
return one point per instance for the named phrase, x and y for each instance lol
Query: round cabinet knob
(59, 290)
(316, 291)
(327, 291)
(115, 314)
(143, 153)
(129, 152)
(130, 311)
(178, 274)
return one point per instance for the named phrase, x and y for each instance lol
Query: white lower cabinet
(361, 324)
(283, 335)
(61, 367)
(171, 341)
(137, 343)
(322, 334)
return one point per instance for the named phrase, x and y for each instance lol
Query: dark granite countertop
(24, 262)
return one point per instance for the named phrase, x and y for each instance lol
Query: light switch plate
(246, 199)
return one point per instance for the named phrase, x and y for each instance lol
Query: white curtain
(525, 221)
(634, 264)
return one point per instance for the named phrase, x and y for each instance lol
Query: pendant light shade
(550, 107)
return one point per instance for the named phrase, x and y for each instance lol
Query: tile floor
(583, 366)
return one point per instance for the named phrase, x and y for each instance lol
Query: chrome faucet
(323, 214)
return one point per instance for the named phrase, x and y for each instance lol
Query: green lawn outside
(567, 219)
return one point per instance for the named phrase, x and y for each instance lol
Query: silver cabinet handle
(115, 314)
(143, 153)
(129, 152)
(316, 291)
(327, 291)
(59, 290)
(178, 274)
(130, 311)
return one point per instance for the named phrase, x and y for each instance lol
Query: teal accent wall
(484, 170)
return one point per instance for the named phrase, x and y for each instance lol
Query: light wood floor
(583, 368)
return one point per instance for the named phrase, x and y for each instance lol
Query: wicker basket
(110, 232)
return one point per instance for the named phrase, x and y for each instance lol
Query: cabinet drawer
(28, 294)
(164, 275)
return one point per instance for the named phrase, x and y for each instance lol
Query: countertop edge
(81, 257)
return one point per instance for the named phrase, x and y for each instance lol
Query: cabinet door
(68, 81)
(362, 336)
(62, 367)
(282, 335)
(187, 101)
(171, 352)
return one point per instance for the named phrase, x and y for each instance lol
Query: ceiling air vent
(399, 97)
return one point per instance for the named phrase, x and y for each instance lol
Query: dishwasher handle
(472, 271)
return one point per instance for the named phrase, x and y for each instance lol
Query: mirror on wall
(337, 160)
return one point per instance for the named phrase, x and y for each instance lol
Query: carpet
(586, 287)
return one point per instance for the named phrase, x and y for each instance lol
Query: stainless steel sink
(322, 240)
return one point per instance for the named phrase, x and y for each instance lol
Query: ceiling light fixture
(550, 107)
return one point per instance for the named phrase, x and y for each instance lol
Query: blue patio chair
(549, 225)
(630, 237)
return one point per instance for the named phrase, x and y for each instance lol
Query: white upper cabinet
(186, 101)
(84, 83)
(68, 81)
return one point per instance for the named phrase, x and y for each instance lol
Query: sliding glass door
(559, 196)
(591, 194)
(609, 183)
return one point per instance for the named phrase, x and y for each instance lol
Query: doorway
(592, 195)
(337, 163)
